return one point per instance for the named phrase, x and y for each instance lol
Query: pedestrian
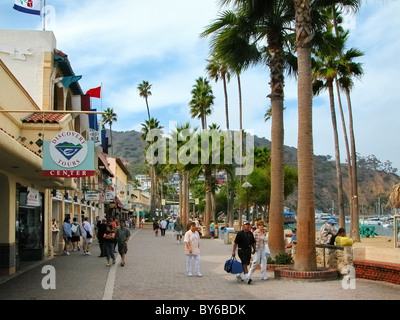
(100, 233)
(163, 227)
(67, 234)
(341, 240)
(122, 234)
(96, 223)
(156, 227)
(87, 236)
(109, 240)
(178, 229)
(192, 251)
(245, 243)
(327, 232)
(212, 229)
(260, 237)
(76, 235)
(293, 240)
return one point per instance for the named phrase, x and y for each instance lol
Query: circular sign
(68, 149)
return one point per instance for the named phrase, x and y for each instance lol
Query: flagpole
(43, 14)
(101, 96)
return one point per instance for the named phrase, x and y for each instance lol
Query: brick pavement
(155, 270)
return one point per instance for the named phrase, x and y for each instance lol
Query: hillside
(129, 146)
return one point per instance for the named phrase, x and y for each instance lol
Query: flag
(28, 6)
(67, 81)
(95, 92)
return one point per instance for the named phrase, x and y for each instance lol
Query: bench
(367, 231)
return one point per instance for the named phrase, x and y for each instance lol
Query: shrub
(282, 258)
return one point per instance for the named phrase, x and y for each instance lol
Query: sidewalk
(155, 270)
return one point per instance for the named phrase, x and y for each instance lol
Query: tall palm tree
(201, 106)
(152, 124)
(270, 21)
(325, 70)
(305, 32)
(144, 91)
(217, 70)
(108, 117)
(351, 69)
(202, 101)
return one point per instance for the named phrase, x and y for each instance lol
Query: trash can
(226, 234)
(221, 231)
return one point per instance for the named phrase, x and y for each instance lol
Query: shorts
(76, 238)
(122, 248)
(245, 256)
(178, 233)
(87, 240)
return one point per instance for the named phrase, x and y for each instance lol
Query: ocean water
(379, 229)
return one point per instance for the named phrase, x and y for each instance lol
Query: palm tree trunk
(226, 103)
(181, 196)
(339, 179)
(148, 109)
(208, 200)
(276, 219)
(153, 190)
(306, 253)
(355, 230)
(342, 220)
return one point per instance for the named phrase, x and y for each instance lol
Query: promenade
(155, 270)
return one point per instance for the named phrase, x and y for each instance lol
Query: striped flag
(28, 6)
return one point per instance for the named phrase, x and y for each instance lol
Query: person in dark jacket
(101, 229)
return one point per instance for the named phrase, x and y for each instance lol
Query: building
(40, 97)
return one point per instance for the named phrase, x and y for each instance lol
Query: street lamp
(247, 185)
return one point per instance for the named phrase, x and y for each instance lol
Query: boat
(289, 217)
(371, 222)
(388, 222)
(323, 217)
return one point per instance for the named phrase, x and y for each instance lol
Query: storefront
(29, 224)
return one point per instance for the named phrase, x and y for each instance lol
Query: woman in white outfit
(259, 256)
(192, 251)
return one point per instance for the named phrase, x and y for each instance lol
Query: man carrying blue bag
(246, 245)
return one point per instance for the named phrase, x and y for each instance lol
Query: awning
(118, 202)
(103, 158)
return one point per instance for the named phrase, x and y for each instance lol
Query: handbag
(233, 266)
(88, 235)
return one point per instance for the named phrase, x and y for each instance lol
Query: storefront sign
(68, 155)
(33, 197)
(91, 195)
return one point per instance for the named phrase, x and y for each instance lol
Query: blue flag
(28, 6)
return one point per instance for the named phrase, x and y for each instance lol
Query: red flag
(95, 92)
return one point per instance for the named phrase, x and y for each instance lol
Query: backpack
(74, 228)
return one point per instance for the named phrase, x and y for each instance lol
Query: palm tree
(325, 70)
(347, 70)
(144, 91)
(108, 117)
(217, 69)
(270, 21)
(202, 101)
(152, 124)
(200, 107)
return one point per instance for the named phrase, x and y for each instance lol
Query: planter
(321, 274)
(272, 267)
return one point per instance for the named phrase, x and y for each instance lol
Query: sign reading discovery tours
(68, 155)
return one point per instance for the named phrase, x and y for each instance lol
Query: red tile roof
(48, 118)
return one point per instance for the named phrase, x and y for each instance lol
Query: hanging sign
(68, 155)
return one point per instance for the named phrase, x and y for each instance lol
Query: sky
(119, 44)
